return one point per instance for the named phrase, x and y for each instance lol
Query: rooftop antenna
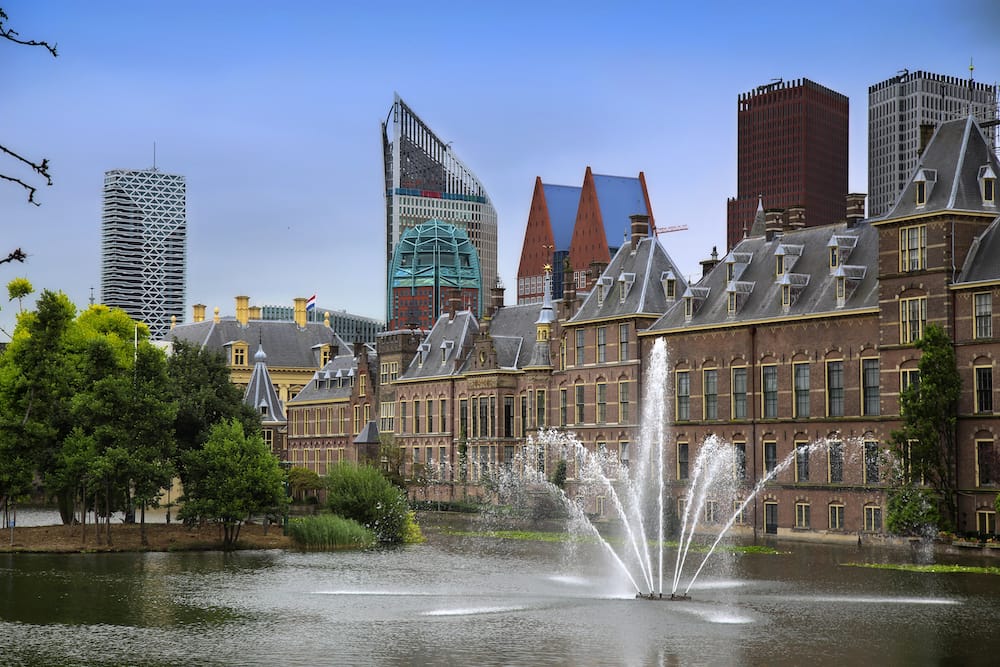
(154, 156)
(971, 68)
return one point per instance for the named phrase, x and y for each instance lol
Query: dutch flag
(311, 304)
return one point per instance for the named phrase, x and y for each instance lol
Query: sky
(272, 113)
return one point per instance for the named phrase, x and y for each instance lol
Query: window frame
(768, 397)
(912, 324)
(682, 395)
(835, 393)
(912, 248)
(800, 396)
(739, 400)
(710, 393)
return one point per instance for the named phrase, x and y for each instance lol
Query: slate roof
(646, 268)
(333, 381)
(288, 345)
(619, 197)
(455, 336)
(562, 202)
(983, 261)
(260, 391)
(513, 332)
(955, 152)
(813, 283)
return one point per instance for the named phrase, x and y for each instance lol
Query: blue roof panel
(619, 197)
(562, 201)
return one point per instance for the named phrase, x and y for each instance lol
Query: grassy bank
(126, 537)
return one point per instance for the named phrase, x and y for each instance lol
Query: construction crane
(671, 228)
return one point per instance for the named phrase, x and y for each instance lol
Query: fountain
(635, 487)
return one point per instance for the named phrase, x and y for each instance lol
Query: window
(989, 190)
(562, 354)
(986, 522)
(802, 515)
(357, 419)
(871, 462)
(912, 319)
(908, 377)
(769, 377)
(835, 388)
(836, 450)
(540, 420)
(622, 342)
(740, 461)
(984, 315)
(402, 418)
(801, 462)
(770, 455)
(444, 416)
(985, 459)
(801, 377)
(430, 415)
(463, 418)
(383, 376)
(623, 402)
(921, 193)
(870, 387)
(683, 395)
(732, 302)
(682, 460)
(579, 347)
(836, 517)
(913, 247)
(984, 388)
(770, 517)
(239, 356)
(562, 406)
(873, 519)
(602, 402)
(710, 387)
(508, 416)
(362, 382)
(579, 404)
(416, 417)
(739, 511)
(740, 393)
(711, 511)
(524, 414)
(602, 340)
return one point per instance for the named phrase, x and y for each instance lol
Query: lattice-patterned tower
(144, 246)
(425, 180)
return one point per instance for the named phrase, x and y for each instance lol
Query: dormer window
(730, 270)
(786, 295)
(688, 307)
(834, 253)
(988, 185)
(732, 302)
(841, 289)
(669, 282)
(625, 282)
(779, 264)
(924, 183)
(600, 294)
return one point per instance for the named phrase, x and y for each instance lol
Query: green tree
(231, 478)
(926, 445)
(200, 385)
(19, 288)
(559, 476)
(362, 493)
(303, 480)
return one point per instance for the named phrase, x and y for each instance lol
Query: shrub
(411, 529)
(363, 494)
(328, 531)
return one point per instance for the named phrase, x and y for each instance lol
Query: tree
(302, 480)
(362, 493)
(926, 446)
(19, 288)
(199, 384)
(41, 167)
(233, 477)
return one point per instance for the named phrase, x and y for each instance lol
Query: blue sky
(272, 110)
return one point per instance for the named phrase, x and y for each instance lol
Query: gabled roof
(642, 272)
(562, 202)
(759, 288)
(444, 350)
(512, 330)
(288, 345)
(952, 159)
(260, 394)
(983, 261)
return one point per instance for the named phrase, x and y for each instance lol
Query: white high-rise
(144, 246)
(897, 107)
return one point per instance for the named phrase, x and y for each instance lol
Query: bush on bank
(328, 531)
(363, 494)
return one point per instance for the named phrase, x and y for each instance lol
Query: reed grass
(329, 531)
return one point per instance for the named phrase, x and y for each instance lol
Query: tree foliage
(362, 493)
(231, 478)
(926, 445)
(303, 480)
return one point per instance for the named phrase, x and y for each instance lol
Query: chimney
(255, 313)
(454, 302)
(640, 228)
(708, 264)
(300, 311)
(772, 223)
(496, 297)
(796, 218)
(199, 312)
(326, 319)
(855, 208)
(173, 321)
(926, 132)
(242, 309)
(596, 270)
(215, 314)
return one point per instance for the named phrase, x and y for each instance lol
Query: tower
(897, 110)
(144, 246)
(792, 151)
(425, 180)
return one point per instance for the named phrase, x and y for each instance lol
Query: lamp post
(286, 466)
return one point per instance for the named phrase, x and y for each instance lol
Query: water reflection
(457, 601)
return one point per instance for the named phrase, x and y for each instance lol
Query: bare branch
(13, 36)
(17, 255)
(31, 190)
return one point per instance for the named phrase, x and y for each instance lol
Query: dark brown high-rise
(792, 152)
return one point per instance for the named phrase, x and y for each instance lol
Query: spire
(759, 219)
(260, 394)
(547, 315)
(541, 355)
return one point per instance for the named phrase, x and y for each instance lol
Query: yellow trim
(976, 285)
(771, 320)
(932, 214)
(617, 318)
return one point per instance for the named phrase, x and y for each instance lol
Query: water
(474, 600)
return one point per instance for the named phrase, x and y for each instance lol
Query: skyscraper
(898, 107)
(792, 151)
(425, 180)
(144, 246)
